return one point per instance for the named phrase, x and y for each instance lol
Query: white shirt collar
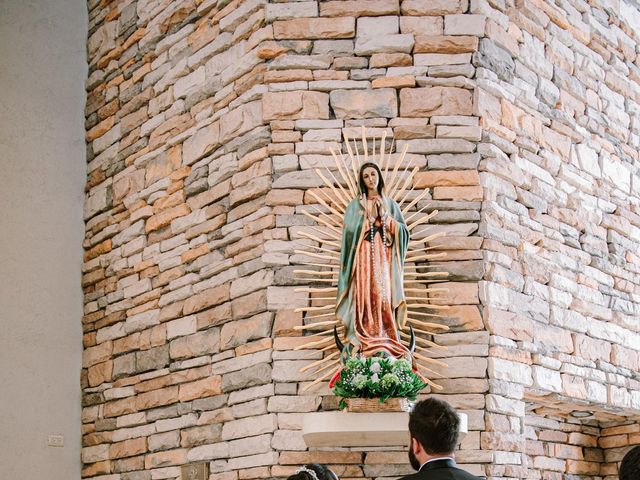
(434, 459)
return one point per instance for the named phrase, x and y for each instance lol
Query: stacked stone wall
(557, 89)
(205, 123)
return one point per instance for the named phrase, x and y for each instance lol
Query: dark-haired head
(630, 466)
(313, 471)
(363, 187)
(435, 424)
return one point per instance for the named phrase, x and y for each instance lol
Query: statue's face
(370, 178)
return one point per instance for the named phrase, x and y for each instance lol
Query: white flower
(375, 367)
(374, 378)
(392, 360)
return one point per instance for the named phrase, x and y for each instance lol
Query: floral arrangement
(376, 377)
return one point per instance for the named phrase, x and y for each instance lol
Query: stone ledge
(345, 429)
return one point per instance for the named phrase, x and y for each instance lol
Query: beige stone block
(427, 25)
(312, 28)
(384, 43)
(472, 194)
(249, 426)
(378, 60)
(295, 105)
(459, 293)
(294, 404)
(201, 143)
(199, 389)
(364, 103)
(435, 7)
(465, 24)
(285, 11)
(394, 82)
(208, 298)
(97, 354)
(95, 453)
(592, 349)
(438, 59)
(165, 459)
(100, 373)
(241, 463)
(239, 332)
(156, 398)
(445, 44)
(128, 448)
(249, 305)
(358, 8)
(165, 217)
(251, 445)
(429, 101)
(437, 178)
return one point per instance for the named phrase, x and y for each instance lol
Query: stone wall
(205, 122)
(557, 92)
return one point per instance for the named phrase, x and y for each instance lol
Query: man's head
(434, 426)
(630, 466)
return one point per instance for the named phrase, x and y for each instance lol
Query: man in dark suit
(434, 427)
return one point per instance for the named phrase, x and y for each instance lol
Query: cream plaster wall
(42, 175)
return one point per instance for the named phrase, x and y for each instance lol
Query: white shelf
(344, 429)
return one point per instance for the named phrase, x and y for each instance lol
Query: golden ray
(340, 199)
(426, 290)
(311, 326)
(319, 280)
(422, 219)
(318, 380)
(322, 221)
(431, 383)
(325, 204)
(319, 362)
(328, 258)
(430, 238)
(342, 168)
(418, 250)
(397, 165)
(314, 309)
(406, 197)
(428, 274)
(364, 145)
(332, 266)
(396, 193)
(427, 369)
(423, 314)
(332, 363)
(318, 239)
(313, 272)
(418, 340)
(420, 323)
(430, 256)
(386, 165)
(322, 249)
(432, 361)
(381, 149)
(331, 235)
(427, 305)
(354, 168)
(324, 341)
(417, 212)
(314, 290)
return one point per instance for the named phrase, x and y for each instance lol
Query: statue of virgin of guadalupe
(370, 302)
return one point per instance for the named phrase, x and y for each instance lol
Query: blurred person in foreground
(630, 466)
(313, 471)
(434, 428)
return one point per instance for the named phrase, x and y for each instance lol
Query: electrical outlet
(55, 440)
(195, 471)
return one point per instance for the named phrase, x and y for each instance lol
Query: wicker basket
(371, 405)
